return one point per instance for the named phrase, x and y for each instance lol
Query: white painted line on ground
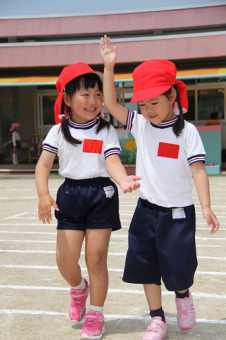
(82, 253)
(169, 320)
(119, 242)
(29, 224)
(28, 241)
(110, 291)
(85, 269)
(14, 216)
(26, 232)
(210, 238)
(19, 198)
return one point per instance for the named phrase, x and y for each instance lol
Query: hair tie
(101, 114)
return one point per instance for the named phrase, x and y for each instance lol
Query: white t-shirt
(15, 137)
(163, 160)
(86, 160)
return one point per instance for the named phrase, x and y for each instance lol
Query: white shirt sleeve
(194, 147)
(51, 142)
(112, 145)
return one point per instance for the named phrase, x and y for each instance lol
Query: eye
(141, 105)
(155, 103)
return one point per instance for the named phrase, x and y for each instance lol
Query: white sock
(82, 285)
(96, 309)
(14, 158)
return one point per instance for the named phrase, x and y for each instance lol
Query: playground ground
(34, 297)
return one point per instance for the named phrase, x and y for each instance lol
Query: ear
(67, 99)
(173, 96)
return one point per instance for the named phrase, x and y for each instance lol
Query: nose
(92, 99)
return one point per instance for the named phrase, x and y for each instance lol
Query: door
(45, 110)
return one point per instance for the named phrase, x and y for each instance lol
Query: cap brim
(149, 93)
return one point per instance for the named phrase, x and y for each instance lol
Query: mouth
(152, 117)
(90, 110)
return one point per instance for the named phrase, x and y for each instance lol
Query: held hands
(128, 184)
(44, 208)
(109, 56)
(211, 219)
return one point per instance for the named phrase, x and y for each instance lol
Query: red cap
(154, 77)
(67, 74)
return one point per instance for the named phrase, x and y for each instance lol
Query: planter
(130, 169)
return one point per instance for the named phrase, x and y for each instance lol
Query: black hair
(179, 123)
(85, 81)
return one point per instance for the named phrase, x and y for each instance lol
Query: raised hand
(108, 55)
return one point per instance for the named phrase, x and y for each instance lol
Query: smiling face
(158, 109)
(85, 104)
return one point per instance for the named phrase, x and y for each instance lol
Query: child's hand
(44, 208)
(128, 184)
(211, 219)
(109, 56)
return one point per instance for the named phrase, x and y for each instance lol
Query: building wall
(173, 34)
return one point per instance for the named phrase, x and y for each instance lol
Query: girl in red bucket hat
(87, 205)
(169, 154)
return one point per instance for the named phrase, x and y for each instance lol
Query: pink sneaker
(157, 329)
(93, 327)
(185, 312)
(77, 308)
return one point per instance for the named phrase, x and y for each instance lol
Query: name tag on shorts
(178, 213)
(109, 191)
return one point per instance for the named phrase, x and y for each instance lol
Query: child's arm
(110, 100)
(202, 186)
(117, 171)
(42, 171)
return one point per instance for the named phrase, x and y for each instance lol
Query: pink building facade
(33, 51)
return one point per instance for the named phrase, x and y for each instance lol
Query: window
(211, 104)
(190, 115)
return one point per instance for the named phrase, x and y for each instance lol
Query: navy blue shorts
(161, 247)
(88, 204)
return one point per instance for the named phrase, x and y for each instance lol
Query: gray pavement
(34, 297)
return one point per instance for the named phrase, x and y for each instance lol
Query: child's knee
(95, 261)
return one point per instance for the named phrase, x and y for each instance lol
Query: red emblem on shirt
(168, 150)
(92, 146)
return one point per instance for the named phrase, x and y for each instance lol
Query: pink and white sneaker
(77, 308)
(185, 312)
(157, 329)
(93, 327)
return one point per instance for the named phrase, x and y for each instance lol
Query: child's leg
(153, 296)
(68, 249)
(157, 328)
(97, 241)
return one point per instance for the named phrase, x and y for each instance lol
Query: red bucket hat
(154, 77)
(67, 74)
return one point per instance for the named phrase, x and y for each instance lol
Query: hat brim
(149, 93)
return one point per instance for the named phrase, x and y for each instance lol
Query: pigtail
(102, 124)
(179, 124)
(65, 129)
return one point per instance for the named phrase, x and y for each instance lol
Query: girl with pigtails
(169, 153)
(87, 205)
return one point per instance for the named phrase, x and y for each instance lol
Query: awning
(29, 81)
(198, 73)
